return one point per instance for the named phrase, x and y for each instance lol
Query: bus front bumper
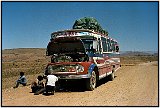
(74, 76)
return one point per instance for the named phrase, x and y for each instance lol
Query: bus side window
(99, 44)
(109, 45)
(112, 45)
(104, 44)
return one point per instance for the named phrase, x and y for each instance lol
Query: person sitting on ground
(38, 85)
(22, 80)
(50, 83)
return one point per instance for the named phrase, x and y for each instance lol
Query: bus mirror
(117, 48)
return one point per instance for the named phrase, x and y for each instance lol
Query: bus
(82, 54)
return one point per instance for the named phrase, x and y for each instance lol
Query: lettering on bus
(63, 34)
(70, 33)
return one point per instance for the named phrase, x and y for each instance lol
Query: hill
(30, 60)
(139, 53)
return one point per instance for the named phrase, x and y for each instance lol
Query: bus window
(99, 45)
(112, 45)
(104, 44)
(109, 44)
(95, 45)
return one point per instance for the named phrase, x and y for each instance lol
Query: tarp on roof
(89, 23)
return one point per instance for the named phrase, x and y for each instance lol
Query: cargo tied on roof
(89, 23)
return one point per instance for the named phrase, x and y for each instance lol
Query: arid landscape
(135, 83)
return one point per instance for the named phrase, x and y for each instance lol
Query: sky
(29, 24)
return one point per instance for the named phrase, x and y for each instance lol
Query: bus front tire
(91, 82)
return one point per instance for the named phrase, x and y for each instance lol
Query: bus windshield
(90, 45)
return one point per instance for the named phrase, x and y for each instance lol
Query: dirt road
(132, 86)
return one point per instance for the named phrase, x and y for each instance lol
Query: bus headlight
(79, 68)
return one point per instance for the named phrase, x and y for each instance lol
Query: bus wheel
(111, 76)
(91, 82)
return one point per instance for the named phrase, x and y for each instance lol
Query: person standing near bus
(50, 83)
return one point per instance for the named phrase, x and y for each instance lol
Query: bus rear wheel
(91, 82)
(111, 76)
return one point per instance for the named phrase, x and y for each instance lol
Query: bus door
(100, 60)
(103, 65)
(105, 48)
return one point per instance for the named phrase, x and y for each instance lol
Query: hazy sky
(29, 24)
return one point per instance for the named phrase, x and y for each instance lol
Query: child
(38, 86)
(50, 83)
(22, 80)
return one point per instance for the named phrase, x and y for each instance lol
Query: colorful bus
(82, 54)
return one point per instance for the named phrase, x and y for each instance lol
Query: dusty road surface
(132, 86)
